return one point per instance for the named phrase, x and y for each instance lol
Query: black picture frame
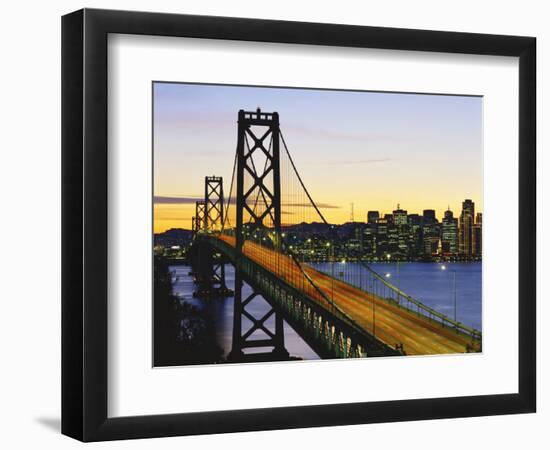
(84, 224)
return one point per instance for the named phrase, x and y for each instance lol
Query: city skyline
(359, 217)
(382, 149)
(399, 235)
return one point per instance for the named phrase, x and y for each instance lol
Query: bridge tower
(200, 210)
(209, 264)
(213, 199)
(196, 226)
(258, 135)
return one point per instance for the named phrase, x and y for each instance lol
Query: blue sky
(371, 149)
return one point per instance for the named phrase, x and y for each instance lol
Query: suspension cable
(226, 215)
(420, 305)
(301, 182)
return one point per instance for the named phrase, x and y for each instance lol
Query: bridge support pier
(258, 334)
(209, 272)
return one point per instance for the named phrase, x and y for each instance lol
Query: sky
(372, 149)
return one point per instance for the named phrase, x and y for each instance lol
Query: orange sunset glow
(372, 150)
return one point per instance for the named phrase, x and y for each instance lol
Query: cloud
(309, 205)
(357, 161)
(326, 133)
(172, 219)
(162, 200)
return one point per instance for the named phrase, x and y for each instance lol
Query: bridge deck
(393, 324)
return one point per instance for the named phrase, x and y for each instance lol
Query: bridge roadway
(393, 324)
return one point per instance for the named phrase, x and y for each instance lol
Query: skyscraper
(399, 217)
(381, 237)
(393, 238)
(449, 234)
(414, 222)
(369, 239)
(372, 217)
(430, 233)
(401, 230)
(466, 225)
(477, 236)
(428, 216)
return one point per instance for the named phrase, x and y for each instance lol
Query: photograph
(297, 224)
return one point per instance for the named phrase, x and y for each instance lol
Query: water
(426, 282)
(221, 312)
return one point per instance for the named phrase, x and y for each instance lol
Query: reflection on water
(221, 311)
(424, 281)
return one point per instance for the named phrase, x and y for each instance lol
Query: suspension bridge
(337, 315)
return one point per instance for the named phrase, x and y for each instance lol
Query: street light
(374, 307)
(443, 267)
(396, 283)
(330, 255)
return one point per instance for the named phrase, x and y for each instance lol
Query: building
(428, 217)
(477, 236)
(430, 234)
(399, 217)
(405, 236)
(393, 239)
(372, 217)
(449, 234)
(414, 222)
(398, 235)
(431, 244)
(382, 237)
(356, 243)
(466, 226)
(369, 239)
